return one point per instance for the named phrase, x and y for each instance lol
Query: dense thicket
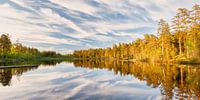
(178, 41)
(18, 51)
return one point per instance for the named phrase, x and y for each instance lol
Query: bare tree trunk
(180, 47)
(162, 51)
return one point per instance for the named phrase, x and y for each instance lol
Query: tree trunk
(187, 47)
(187, 51)
(162, 51)
(180, 47)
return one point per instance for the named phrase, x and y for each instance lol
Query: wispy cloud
(81, 24)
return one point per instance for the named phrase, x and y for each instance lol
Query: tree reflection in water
(6, 74)
(174, 81)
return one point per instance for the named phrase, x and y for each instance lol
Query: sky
(68, 25)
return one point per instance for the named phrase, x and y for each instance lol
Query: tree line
(178, 41)
(16, 51)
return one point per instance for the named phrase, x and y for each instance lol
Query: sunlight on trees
(17, 51)
(176, 42)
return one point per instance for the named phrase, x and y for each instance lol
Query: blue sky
(67, 25)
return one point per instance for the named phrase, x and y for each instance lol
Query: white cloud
(77, 5)
(77, 20)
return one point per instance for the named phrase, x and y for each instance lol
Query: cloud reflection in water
(67, 82)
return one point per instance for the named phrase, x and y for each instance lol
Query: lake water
(100, 80)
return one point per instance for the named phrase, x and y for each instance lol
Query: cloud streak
(81, 24)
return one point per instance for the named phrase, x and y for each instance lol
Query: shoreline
(184, 62)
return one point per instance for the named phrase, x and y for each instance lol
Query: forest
(17, 52)
(177, 41)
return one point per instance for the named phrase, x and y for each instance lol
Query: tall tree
(5, 45)
(176, 44)
(166, 39)
(180, 25)
(195, 30)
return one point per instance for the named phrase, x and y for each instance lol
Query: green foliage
(5, 45)
(18, 52)
(50, 54)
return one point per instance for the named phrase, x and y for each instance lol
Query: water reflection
(6, 74)
(174, 81)
(35, 62)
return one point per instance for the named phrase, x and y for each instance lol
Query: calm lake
(100, 80)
